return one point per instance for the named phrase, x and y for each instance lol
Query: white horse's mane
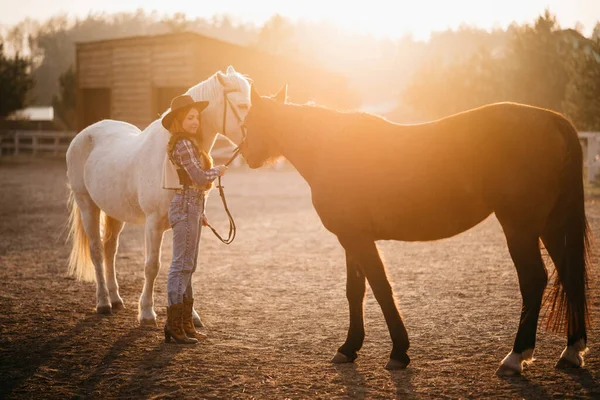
(209, 89)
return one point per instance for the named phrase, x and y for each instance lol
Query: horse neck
(298, 140)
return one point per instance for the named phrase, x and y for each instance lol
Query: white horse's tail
(80, 260)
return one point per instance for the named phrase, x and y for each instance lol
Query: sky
(381, 18)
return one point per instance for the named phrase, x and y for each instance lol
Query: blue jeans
(185, 218)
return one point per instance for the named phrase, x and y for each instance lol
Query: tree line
(538, 63)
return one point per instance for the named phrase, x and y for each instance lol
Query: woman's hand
(204, 220)
(222, 169)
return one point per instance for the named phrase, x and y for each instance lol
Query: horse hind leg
(154, 231)
(112, 230)
(572, 355)
(90, 218)
(525, 252)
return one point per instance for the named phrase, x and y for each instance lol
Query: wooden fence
(57, 142)
(35, 142)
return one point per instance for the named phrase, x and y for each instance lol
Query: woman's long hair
(197, 139)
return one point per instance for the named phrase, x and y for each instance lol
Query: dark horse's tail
(567, 299)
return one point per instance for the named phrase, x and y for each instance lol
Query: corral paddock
(274, 304)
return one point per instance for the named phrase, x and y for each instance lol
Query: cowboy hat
(181, 103)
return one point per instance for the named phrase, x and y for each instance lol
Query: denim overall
(185, 218)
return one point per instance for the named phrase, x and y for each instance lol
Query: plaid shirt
(185, 156)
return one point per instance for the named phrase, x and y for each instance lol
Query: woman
(187, 170)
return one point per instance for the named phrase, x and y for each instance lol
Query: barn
(133, 79)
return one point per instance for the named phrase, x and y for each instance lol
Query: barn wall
(131, 89)
(141, 72)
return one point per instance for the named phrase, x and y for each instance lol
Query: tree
(177, 23)
(582, 102)
(15, 82)
(596, 33)
(64, 103)
(537, 59)
(533, 67)
(439, 89)
(275, 35)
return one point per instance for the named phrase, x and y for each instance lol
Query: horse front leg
(154, 231)
(355, 293)
(365, 253)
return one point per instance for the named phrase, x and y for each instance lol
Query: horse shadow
(403, 382)
(353, 380)
(356, 387)
(24, 358)
(526, 388)
(586, 380)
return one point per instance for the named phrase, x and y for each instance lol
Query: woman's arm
(185, 156)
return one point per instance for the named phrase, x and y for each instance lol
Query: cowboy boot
(174, 326)
(188, 320)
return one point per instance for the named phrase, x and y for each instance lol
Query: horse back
(434, 180)
(114, 163)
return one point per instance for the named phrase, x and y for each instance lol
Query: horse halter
(236, 152)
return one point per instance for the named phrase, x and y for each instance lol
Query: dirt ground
(274, 305)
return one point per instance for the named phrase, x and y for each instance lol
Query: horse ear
(230, 70)
(281, 96)
(254, 96)
(222, 78)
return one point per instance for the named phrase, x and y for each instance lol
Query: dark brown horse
(372, 179)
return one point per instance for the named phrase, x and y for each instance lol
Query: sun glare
(418, 18)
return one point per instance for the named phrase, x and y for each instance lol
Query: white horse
(114, 172)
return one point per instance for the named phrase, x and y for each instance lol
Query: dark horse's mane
(376, 125)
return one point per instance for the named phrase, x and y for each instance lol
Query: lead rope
(232, 227)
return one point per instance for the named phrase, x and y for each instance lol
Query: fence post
(56, 142)
(34, 144)
(17, 143)
(592, 151)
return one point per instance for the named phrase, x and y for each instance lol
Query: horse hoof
(117, 306)
(340, 358)
(394, 365)
(198, 323)
(147, 322)
(505, 370)
(565, 363)
(105, 310)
